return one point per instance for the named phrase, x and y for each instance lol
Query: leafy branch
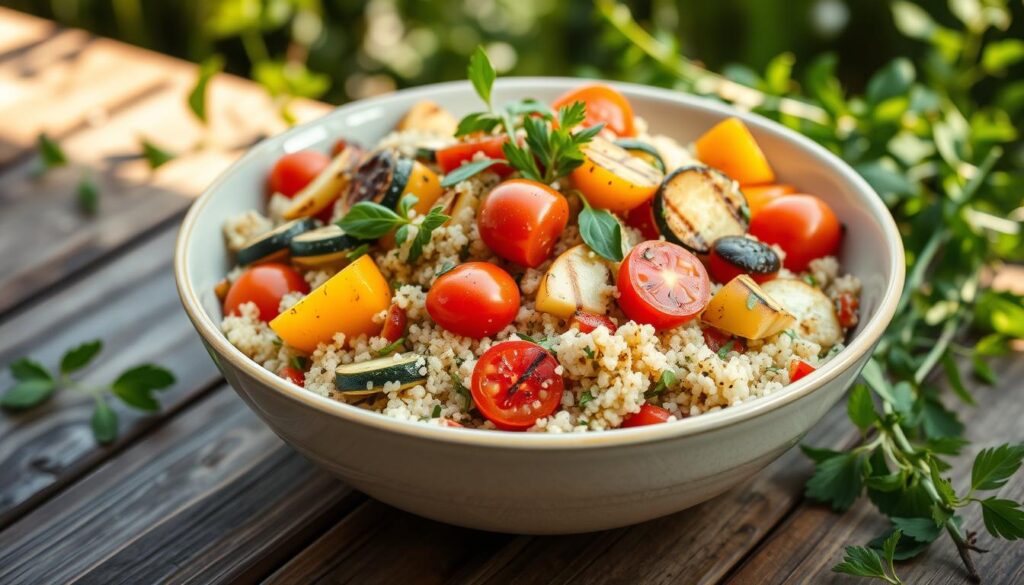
(34, 385)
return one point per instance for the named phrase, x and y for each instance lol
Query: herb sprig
(368, 220)
(35, 384)
(931, 144)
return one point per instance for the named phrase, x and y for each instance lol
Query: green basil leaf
(135, 387)
(79, 357)
(477, 122)
(481, 74)
(156, 156)
(27, 393)
(26, 369)
(601, 232)
(468, 170)
(369, 221)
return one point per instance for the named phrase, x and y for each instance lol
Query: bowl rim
(705, 423)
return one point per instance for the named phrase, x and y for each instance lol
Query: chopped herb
(197, 97)
(462, 391)
(810, 280)
(751, 301)
(725, 349)
(88, 196)
(582, 422)
(391, 347)
(357, 252)
(155, 156)
(446, 266)
(368, 220)
(585, 397)
(51, 153)
(298, 362)
(545, 342)
(668, 378)
(589, 351)
(436, 413)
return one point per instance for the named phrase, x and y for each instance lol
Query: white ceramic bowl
(544, 483)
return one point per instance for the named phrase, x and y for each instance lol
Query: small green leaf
(79, 357)
(955, 381)
(26, 369)
(982, 370)
(837, 481)
(391, 347)
(601, 232)
(468, 170)
(197, 97)
(358, 252)
(572, 115)
(155, 156)
(817, 454)
(368, 220)
(920, 529)
(666, 380)
(88, 196)
(861, 408)
(861, 561)
(1003, 518)
(431, 221)
(1001, 54)
(104, 422)
(436, 413)
(481, 74)
(462, 391)
(27, 393)
(723, 351)
(993, 467)
(484, 122)
(892, 80)
(51, 153)
(135, 387)
(585, 397)
(939, 421)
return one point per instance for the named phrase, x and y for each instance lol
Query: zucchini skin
(352, 379)
(274, 243)
(698, 242)
(633, 145)
(382, 179)
(325, 240)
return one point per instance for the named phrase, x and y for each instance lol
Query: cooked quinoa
(608, 374)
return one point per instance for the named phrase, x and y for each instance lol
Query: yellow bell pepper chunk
(345, 304)
(742, 308)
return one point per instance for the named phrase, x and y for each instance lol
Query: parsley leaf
(28, 393)
(837, 480)
(1003, 518)
(861, 561)
(462, 391)
(484, 122)
(993, 467)
(585, 398)
(436, 413)
(431, 221)
(26, 369)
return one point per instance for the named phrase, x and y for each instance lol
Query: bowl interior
(871, 248)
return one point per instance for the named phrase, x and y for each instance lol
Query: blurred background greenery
(338, 50)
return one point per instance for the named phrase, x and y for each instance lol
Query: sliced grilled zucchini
(322, 191)
(369, 377)
(815, 312)
(696, 205)
(326, 246)
(643, 151)
(576, 281)
(273, 245)
(381, 179)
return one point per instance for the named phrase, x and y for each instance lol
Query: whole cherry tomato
(641, 217)
(454, 156)
(394, 324)
(514, 384)
(294, 171)
(604, 104)
(648, 415)
(476, 299)
(587, 322)
(264, 284)
(802, 225)
(293, 375)
(662, 284)
(521, 220)
(799, 369)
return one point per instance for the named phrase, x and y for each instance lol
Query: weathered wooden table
(203, 491)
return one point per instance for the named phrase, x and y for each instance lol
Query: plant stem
(935, 354)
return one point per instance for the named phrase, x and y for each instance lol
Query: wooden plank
(18, 30)
(811, 541)
(213, 495)
(131, 304)
(702, 543)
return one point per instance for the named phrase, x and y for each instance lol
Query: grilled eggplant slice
(696, 205)
(643, 151)
(369, 377)
(273, 245)
(326, 246)
(381, 179)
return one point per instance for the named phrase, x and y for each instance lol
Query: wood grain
(212, 495)
(811, 540)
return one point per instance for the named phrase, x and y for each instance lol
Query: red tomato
(514, 384)
(521, 220)
(294, 171)
(641, 217)
(476, 299)
(662, 284)
(454, 156)
(716, 339)
(394, 324)
(604, 104)
(760, 195)
(802, 225)
(265, 285)
(799, 369)
(648, 415)
(847, 306)
(293, 375)
(587, 322)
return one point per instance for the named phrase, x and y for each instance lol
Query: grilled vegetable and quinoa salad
(540, 267)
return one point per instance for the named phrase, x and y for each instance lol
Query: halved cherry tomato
(648, 415)
(799, 369)
(294, 171)
(454, 156)
(662, 284)
(521, 220)
(612, 178)
(716, 339)
(760, 195)
(394, 324)
(847, 306)
(476, 299)
(641, 217)
(604, 104)
(802, 225)
(264, 284)
(587, 322)
(293, 375)
(514, 384)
